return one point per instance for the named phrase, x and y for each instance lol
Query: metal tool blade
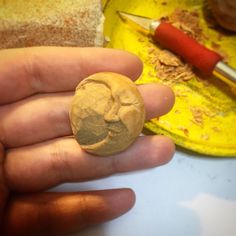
(142, 22)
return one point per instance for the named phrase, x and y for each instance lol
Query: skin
(37, 151)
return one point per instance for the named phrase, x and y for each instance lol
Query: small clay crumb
(185, 130)
(164, 18)
(197, 115)
(215, 45)
(216, 129)
(180, 93)
(209, 113)
(177, 111)
(205, 137)
(220, 36)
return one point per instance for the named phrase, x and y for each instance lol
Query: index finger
(28, 71)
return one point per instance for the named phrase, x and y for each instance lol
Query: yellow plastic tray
(213, 131)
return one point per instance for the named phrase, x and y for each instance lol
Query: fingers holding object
(39, 167)
(158, 99)
(44, 117)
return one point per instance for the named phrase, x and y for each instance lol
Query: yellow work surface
(203, 118)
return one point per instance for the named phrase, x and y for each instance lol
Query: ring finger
(41, 166)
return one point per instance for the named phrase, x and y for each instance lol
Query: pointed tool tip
(122, 14)
(142, 22)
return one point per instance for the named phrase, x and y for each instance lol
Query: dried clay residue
(199, 113)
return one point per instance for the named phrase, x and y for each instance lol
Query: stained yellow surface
(213, 130)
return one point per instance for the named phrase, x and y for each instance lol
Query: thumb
(63, 213)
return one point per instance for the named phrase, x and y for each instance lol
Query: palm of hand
(37, 152)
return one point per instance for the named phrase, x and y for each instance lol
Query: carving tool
(204, 59)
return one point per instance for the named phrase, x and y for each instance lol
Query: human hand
(37, 151)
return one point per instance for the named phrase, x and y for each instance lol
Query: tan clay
(107, 113)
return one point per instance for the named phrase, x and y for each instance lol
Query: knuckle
(59, 163)
(31, 66)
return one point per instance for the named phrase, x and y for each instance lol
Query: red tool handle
(183, 45)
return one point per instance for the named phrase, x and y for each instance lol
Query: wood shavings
(197, 115)
(167, 58)
(209, 113)
(188, 22)
(170, 68)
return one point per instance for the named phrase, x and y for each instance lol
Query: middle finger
(44, 117)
